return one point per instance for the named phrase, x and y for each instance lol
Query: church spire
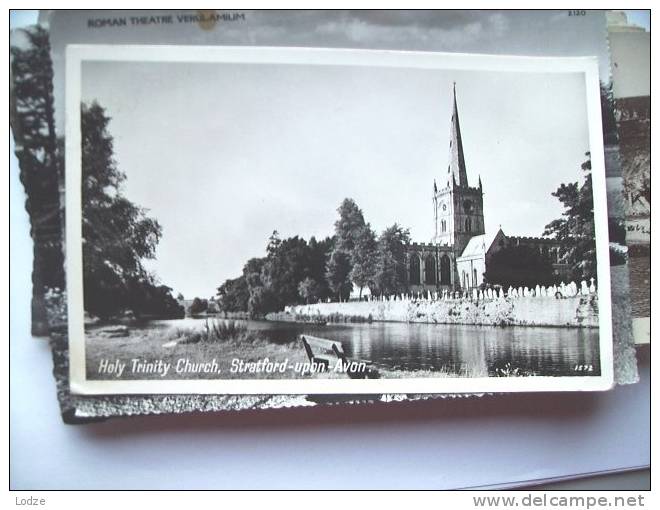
(457, 170)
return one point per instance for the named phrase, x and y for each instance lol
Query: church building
(458, 254)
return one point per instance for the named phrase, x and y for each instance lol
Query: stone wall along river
(576, 311)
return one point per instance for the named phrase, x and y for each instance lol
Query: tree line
(296, 271)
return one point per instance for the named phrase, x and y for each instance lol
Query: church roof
(476, 246)
(456, 170)
(479, 245)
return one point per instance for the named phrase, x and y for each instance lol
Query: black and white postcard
(246, 220)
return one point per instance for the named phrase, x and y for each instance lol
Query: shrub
(216, 330)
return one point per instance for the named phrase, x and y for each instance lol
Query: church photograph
(269, 216)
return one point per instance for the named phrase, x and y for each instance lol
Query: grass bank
(192, 351)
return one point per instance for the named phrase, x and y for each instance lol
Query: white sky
(222, 154)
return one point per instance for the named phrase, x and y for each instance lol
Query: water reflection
(465, 350)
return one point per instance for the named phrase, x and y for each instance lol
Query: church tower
(458, 208)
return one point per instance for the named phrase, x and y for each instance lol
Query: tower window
(468, 224)
(444, 225)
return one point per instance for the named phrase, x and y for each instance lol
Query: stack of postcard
(240, 210)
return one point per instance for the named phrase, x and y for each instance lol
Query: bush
(216, 330)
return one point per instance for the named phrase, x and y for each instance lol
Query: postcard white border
(76, 54)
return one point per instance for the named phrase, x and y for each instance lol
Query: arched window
(474, 278)
(468, 224)
(445, 270)
(414, 269)
(429, 270)
(444, 225)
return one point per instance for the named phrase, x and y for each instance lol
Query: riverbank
(578, 311)
(175, 354)
(121, 353)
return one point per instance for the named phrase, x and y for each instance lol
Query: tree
(117, 234)
(338, 274)
(310, 290)
(198, 306)
(274, 242)
(154, 301)
(391, 275)
(257, 302)
(163, 305)
(284, 269)
(575, 230)
(252, 272)
(319, 254)
(233, 295)
(179, 297)
(261, 302)
(33, 123)
(348, 226)
(519, 266)
(272, 281)
(363, 259)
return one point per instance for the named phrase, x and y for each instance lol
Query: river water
(462, 349)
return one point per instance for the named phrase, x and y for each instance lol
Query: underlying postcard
(630, 48)
(245, 220)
